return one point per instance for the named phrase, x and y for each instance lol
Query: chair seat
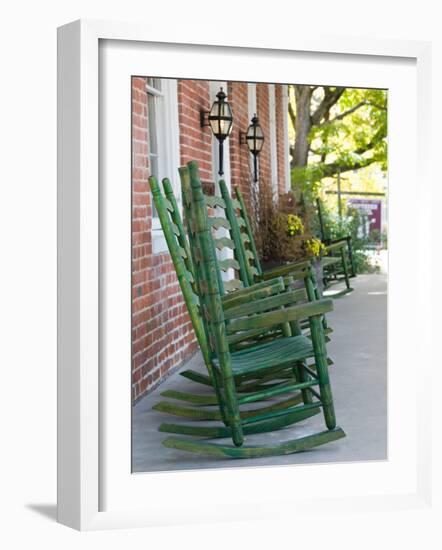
(276, 353)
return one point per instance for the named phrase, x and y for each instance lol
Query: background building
(166, 133)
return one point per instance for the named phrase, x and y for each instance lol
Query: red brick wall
(280, 137)
(195, 141)
(162, 335)
(240, 173)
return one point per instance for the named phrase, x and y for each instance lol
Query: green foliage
(344, 137)
(306, 181)
(352, 134)
(338, 228)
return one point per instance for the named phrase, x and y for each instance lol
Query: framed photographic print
(231, 270)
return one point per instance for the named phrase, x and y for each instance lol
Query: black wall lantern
(255, 140)
(220, 120)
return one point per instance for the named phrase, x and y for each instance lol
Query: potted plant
(314, 248)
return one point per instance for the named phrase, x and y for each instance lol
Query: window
(162, 143)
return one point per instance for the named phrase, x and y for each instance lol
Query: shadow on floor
(49, 511)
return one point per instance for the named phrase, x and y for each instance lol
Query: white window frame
(251, 98)
(253, 109)
(273, 143)
(285, 121)
(168, 132)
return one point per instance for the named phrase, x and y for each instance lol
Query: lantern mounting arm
(204, 118)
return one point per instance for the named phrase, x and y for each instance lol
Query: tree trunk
(302, 126)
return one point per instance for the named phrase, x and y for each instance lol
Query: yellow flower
(294, 225)
(314, 246)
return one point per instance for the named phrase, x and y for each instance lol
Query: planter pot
(319, 274)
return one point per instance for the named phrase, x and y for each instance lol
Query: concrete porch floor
(359, 382)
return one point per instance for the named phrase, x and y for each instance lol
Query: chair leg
(301, 376)
(318, 296)
(322, 372)
(221, 403)
(298, 369)
(344, 267)
(351, 258)
(326, 277)
(313, 293)
(232, 411)
(296, 331)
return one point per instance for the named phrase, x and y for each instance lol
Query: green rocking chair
(338, 264)
(221, 323)
(182, 258)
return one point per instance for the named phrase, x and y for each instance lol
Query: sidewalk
(359, 381)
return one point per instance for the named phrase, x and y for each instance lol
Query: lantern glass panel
(258, 144)
(258, 132)
(225, 127)
(250, 142)
(215, 126)
(225, 109)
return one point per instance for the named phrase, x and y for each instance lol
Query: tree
(336, 129)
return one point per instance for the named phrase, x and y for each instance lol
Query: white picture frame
(82, 399)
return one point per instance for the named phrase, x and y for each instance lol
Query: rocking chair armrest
(345, 239)
(254, 292)
(271, 318)
(336, 245)
(266, 304)
(296, 269)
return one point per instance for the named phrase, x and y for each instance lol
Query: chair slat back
(207, 272)
(247, 236)
(225, 235)
(175, 216)
(323, 233)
